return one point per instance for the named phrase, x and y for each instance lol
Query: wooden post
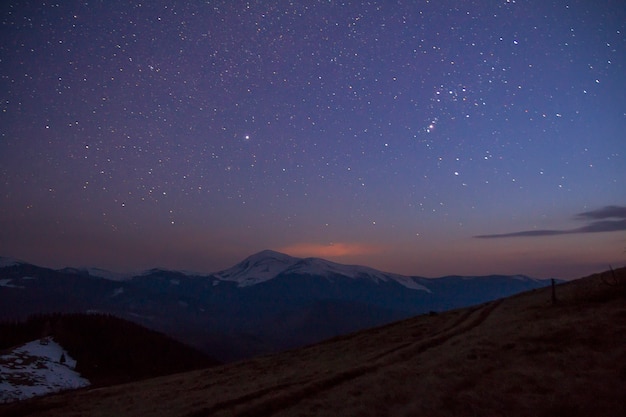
(553, 291)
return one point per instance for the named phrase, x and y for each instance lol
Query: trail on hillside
(270, 400)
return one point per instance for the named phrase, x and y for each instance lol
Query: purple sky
(424, 138)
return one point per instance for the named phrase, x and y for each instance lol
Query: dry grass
(517, 357)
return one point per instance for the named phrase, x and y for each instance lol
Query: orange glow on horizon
(332, 250)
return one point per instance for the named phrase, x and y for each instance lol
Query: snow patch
(6, 282)
(37, 368)
(141, 316)
(410, 283)
(522, 278)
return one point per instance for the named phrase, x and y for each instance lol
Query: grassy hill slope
(519, 356)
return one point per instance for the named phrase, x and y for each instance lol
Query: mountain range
(559, 352)
(268, 302)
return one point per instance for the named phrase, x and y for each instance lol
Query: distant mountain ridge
(267, 302)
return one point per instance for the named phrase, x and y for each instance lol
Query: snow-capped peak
(257, 268)
(266, 265)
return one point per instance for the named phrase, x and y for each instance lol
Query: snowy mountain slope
(9, 283)
(37, 368)
(324, 268)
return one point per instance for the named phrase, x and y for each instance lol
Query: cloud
(606, 219)
(328, 251)
(607, 212)
(602, 226)
(526, 233)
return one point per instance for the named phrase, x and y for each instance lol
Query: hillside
(107, 349)
(518, 356)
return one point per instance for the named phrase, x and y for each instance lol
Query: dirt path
(270, 400)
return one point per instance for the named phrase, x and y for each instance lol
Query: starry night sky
(424, 138)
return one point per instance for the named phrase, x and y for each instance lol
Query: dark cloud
(604, 225)
(525, 233)
(607, 212)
